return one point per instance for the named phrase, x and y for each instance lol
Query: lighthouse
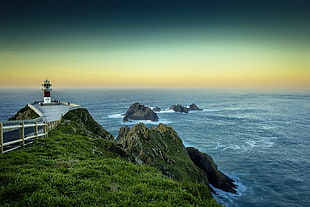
(47, 91)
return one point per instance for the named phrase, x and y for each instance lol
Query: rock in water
(140, 112)
(156, 109)
(194, 107)
(215, 177)
(179, 108)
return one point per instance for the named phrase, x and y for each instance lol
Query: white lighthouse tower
(47, 91)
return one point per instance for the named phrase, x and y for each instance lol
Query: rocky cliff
(215, 177)
(161, 147)
(75, 166)
(83, 123)
(25, 113)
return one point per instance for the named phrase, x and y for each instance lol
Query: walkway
(48, 113)
(53, 112)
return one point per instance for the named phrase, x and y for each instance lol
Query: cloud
(8, 54)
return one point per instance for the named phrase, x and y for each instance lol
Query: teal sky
(146, 43)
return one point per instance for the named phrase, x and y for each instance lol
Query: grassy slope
(74, 170)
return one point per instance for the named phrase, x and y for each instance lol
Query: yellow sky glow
(204, 65)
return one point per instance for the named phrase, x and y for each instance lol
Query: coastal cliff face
(80, 164)
(162, 148)
(215, 177)
(83, 123)
(25, 113)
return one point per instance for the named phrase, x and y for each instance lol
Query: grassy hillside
(69, 169)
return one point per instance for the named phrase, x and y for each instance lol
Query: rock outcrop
(122, 133)
(184, 109)
(162, 148)
(215, 177)
(25, 113)
(140, 112)
(156, 109)
(179, 108)
(194, 107)
(83, 122)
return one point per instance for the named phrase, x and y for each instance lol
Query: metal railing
(22, 137)
(9, 126)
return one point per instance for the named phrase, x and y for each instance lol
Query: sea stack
(194, 107)
(140, 112)
(179, 108)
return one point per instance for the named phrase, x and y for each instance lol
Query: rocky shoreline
(159, 147)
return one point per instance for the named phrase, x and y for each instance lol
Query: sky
(155, 44)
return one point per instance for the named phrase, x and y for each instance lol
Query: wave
(133, 122)
(166, 111)
(116, 116)
(261, 142)
(211, 110)
(193, 111)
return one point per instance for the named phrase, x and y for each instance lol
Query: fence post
(22, 134)
(45, 130)
(1, 137)
(36, 130)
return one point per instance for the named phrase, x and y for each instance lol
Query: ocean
(259, 138)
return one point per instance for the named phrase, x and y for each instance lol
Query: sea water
(259, 138)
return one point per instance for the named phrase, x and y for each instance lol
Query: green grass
(74, 170)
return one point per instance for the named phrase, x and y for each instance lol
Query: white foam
(262, 142)
(218, 145)
(133, 122)
(251, 143)
(234, 147)
(210, 110)
(116, 116)
(166, 111)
